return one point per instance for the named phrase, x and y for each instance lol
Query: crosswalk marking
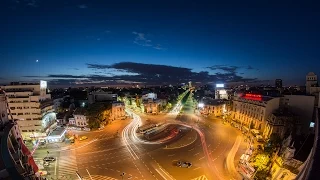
(67, 164)
(98, 177)
(203, 177)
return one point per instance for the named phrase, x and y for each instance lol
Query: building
(80, 117)
(252, 110)
(118, 111)
(301, 105)
(278, 83)
(312, 83)
(312, 87)
(16, 160)
(33, 107)
(57, 104)
(148, 96)
(215, 107)
(101, 97)
(152, 106)
(221, 92)
(57, 135)
(282, 122)
(285, 166)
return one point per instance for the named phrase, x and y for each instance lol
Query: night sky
(158, 42)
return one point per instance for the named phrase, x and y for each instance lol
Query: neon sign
(254, 95)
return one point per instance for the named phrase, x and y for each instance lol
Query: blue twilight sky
(112, 42)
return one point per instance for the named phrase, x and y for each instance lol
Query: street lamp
(122, 175)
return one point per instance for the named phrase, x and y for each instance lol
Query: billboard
(220, 85)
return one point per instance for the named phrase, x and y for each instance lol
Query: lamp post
(122, 175)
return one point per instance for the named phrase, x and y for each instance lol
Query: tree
(261, 161)
(261, 175)
(273, 143)
(98, 113)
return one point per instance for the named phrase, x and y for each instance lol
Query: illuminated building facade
(252, 110)
(152, 106)
(221, 92)
(214, 107)
(15, 158)
(80, 118)
(118, 111)
(32, 106)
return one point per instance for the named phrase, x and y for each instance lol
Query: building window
(24, 130)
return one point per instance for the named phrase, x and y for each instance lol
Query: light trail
(205, 150)
(125, 138)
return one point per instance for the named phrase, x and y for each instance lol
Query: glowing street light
(200, 105)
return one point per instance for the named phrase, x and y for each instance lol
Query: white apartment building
(32, 106)
(80, 119)
(254, 109)
(215, 107)
(118, 111)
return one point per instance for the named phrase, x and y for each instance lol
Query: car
(184, 164)
(46, 163)
(83, 138)
(49, 159)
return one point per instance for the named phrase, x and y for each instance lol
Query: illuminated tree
(261, 161)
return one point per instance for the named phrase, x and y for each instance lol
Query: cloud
(30, 3)
(141, 40)
(142, 73)
(228, 68)
(82, 6)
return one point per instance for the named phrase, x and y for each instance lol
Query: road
(116, 150)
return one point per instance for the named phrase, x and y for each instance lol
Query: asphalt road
(113, 151)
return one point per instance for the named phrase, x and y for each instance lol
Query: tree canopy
(98, 113)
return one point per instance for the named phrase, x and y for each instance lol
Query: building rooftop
(80, 111)
(57, 132)
(283, 112)
(214, 102)
(256, 97)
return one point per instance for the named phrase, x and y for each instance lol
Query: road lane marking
(202, 158)
(196, 168)
(171, 155)
(191, 149)
(196, 154)
(55, 166)
(161, 174)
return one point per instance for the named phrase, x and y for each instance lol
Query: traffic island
(187, 139)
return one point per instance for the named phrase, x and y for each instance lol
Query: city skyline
(90, 43)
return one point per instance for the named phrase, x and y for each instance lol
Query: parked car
(83, 138)
(49, 159)
(184, 164)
